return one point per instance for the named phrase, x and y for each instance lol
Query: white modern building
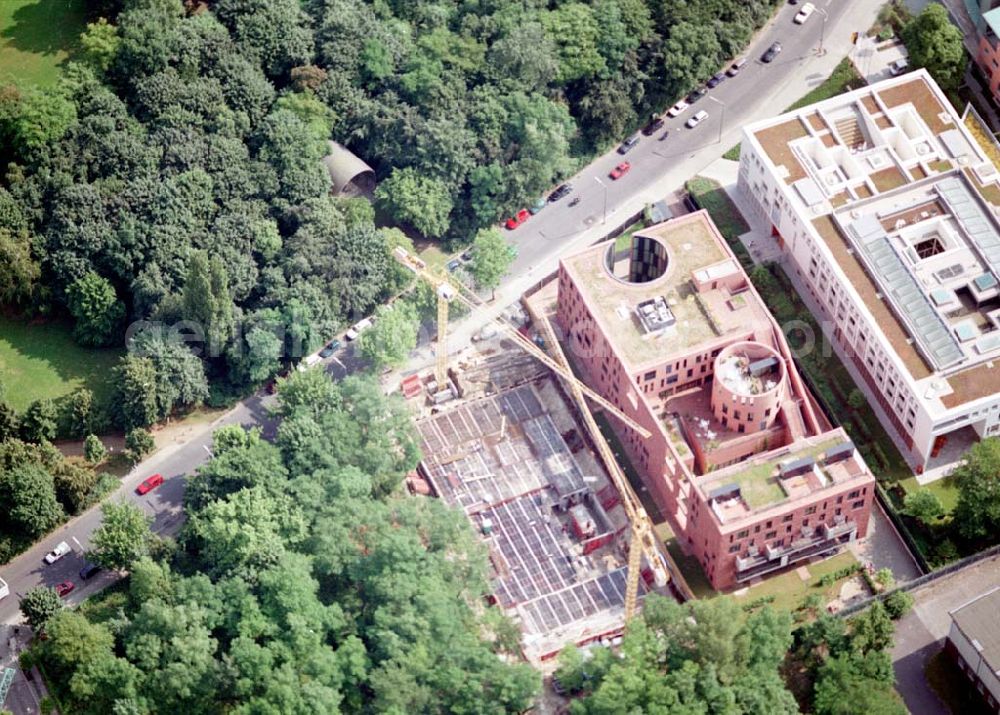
(886, 206)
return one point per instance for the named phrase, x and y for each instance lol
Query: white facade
(868, 156)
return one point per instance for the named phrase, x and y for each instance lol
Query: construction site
(516, 463)
(507, 437)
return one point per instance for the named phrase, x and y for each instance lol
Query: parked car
(453, 265)
(655, 124)
(620, 171)
(626, 146)
(561, 191)
(899, 67)
(696, 95)
(735, 67)
(327, 350)
(664, 135)
(697, 119)
(537, 206)
(716, 80)
(771, 52)
(61, 549)
(804, 12)
(89, 570)
(65, 588)
(517, 219)
(467, 254)
(358, 328)
(149, 484)
(678, 109)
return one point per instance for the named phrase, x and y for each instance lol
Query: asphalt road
(729, 105)
(554, 226)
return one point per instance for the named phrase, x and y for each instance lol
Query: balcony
(808, 544)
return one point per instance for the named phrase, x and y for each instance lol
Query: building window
(788, 517)
(811, 510)
(854, 495)
(651, 375)
(725, 409)
(858, 504)
(743, 534)
(770, 534)
(734, 549)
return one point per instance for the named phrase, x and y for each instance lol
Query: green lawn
(945, 489)
(42, 361)
(37, 36)
(843, 79)
(624, 242)
(789, 590)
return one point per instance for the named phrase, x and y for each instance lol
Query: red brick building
(746, 468)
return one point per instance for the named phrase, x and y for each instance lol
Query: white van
(358, 328)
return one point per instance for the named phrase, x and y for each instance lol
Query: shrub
(138, 443)
(93, 449)
(898, 604)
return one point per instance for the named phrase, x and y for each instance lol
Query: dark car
(327, 350)
(655, 124)
(560, 192)
(716, 80)
(466, 254)
(771, 52)
(453, 265)
(628, 145)
(696, 95)
(89, 570)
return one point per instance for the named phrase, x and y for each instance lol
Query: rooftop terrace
(757, 484)
(692, 245)
(904, 194)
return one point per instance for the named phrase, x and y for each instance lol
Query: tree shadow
(46, 27)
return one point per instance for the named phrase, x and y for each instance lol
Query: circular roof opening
(645, 260)
(749, 369)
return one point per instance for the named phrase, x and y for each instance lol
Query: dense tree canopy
(304, 583)
(174, 175)
(977, 513)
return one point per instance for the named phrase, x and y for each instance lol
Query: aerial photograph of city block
(563, 357)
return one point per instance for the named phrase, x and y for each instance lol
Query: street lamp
(722, 119)
(605, 187)
(822, 31)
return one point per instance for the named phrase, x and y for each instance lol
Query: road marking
(77, 542)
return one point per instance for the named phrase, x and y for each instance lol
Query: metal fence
(916, 583)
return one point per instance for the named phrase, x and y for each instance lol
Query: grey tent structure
(349, 175)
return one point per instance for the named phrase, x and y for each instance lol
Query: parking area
(874, 60)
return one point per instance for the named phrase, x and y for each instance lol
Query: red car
(65, 588)
(515, 221)
(149, 484)
(620, 170)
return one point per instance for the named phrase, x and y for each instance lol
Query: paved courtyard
(884, 548)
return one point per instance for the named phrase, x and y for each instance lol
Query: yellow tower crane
(643, 541)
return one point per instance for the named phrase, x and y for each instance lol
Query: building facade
(974, 643)
(886, 209)
(740, 460)
(988, 55)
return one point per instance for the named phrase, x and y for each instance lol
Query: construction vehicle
(643, 541)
